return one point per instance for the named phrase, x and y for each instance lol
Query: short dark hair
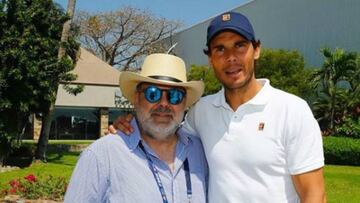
(207, 51)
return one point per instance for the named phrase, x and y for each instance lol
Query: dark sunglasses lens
(175, 96)
(152, 94)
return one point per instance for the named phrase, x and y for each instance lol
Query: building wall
(305, 25)
(92, 96)
(86, 115)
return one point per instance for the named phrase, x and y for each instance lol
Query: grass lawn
(58, 165)
(54, 142)
(342, 182)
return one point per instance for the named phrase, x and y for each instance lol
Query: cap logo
(226, 17)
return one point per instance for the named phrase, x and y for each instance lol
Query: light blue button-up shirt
(115, 169)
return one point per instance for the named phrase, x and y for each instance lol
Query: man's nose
(163, 100)
(231, 56)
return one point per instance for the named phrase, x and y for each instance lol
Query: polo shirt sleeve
(88, 182)
(303, 140)
(189, 124)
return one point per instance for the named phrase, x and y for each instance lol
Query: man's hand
(122, 123)
(310, 186)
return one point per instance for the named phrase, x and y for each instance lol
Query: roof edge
(203, 21)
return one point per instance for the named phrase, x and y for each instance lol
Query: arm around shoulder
(188, 125)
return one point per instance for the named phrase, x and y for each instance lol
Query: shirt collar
(220, 101)
(184, 137)
(135, 137)
(261, 98)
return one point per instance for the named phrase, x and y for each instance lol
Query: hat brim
(129, 80)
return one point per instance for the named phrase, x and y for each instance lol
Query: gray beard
(150, 128)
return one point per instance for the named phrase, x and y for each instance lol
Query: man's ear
(210, 61)
(257, 52)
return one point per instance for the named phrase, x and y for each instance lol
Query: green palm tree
(336, 82)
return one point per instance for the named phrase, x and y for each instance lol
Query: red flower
(31, 178)
(14, 183)
(13, 190)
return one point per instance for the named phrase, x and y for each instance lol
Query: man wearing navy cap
(261, 144)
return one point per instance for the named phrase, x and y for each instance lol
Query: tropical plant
(337, 82)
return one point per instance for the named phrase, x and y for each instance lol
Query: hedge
(342, 151)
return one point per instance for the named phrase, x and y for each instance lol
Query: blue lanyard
(158, 180)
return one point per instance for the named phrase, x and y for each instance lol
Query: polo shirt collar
(219, 100)
(261, 98)
(135, 137)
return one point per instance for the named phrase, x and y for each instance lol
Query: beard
(158, 130)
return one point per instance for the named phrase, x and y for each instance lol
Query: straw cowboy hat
(162, 69)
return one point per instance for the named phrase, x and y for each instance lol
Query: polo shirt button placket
(236, 117)
(233, 127)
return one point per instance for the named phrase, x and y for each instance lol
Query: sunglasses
(153, 94)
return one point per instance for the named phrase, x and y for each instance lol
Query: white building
(304, 25)
(88, 114)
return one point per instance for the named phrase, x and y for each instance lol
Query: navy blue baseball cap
(232, 21)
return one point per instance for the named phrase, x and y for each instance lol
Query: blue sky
(189, 12)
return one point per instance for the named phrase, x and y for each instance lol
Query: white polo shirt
(253, 151)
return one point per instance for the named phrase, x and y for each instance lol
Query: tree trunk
(46, 120)
(66, 28)
(44, 134)
(332, 115)
(23, 123)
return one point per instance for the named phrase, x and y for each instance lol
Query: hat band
(159, 77)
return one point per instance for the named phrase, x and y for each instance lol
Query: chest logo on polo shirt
(261, 126)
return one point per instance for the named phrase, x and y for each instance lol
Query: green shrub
(286, 70)
(350, 127)
(7, 145)
(342, 151)
(20, 157)
(207, 75)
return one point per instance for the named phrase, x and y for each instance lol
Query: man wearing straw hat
(155, 163)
